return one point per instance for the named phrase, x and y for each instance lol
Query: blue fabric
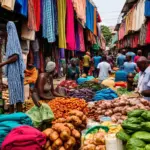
(89, 16)
(21, 7)
(147, 8)
(82, 80)
(120, 60)
(97, 60)
(131, 54)
(11, 121)
(49, 20)
(129, 67)
(105, 94)
(120, 76)
(14, 71)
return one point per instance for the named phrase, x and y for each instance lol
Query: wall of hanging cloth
(147, 8)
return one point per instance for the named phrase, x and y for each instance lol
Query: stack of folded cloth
(24, 138)
(10, 121)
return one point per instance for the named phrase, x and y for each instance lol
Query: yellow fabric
(30, 76)
(62, 23)
(8, 4)
(109, 82)
(86, 61)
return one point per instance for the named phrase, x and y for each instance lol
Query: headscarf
(13, 46)
(50, 66)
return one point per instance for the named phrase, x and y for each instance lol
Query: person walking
(104, 69)
(121, 59)
(96, 60)
(86, 62)
(130, 53)
(139, 54)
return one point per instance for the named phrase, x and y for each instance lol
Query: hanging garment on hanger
(70, 36)
(62, 23)
(8, 4)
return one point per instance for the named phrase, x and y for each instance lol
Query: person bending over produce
(44, 88)
(144, 77)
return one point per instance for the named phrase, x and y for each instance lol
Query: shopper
(96, 60)
(130, 53)
(121, 59)
(139, 54)
(130, 66)
(86, 63)
(104, 69)
(144, 77)
(73, 71)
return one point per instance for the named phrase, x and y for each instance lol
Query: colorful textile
(81, 38)
(70, 33)
(80, 9)
(61, 4)
(77, 37)
(120, 76)
(147, 41)
(40, 114)
(21, 7)
(89, 16)
(23, 138)
(95, 21)
(8, 4)
(49, 20)
(14, 71)
(147, 8)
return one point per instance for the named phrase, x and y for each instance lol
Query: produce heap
(136, 131)
(117, 109)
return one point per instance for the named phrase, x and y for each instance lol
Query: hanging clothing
(142, 35)
(89, 16)
(147, 8)
(80, 9)
(95, 21)
(134, 18)
(8, 4)
(81, 38)
(70, 32)
(49, 20)
(77, 37)
(21, 7)
(62, 23)
(14, 71)
(147, 41)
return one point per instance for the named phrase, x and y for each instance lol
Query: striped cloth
(14, 71)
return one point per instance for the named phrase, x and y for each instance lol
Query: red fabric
(81, 38)
(135, 41)
(147, 41)
(122, 84)
(136, 58)
(70, 32)
(37, 6)
(99, 18)
(24, 138)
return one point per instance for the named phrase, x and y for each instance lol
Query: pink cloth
(136, 58)
(24, 138)
(70, 32)
(81, 37)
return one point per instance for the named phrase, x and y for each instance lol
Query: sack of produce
(135, 113)
(142, 135)
(146, 115)
(135, 144)
(123, 136)
(147, 147)
(145, 126)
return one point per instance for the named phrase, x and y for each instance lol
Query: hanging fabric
(89, 16)
(80, 9)
(21, 7)
(81, 38)
(147, 8)
(77, 36)
(8, 4)
(62, 23)
(49, 20)
(142, 35)
(147, 41)
(62, 52)
(95, 21)
(70, 33)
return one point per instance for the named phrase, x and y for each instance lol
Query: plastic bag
(146, 115)
(142, 135)
(135, 144)
(135, 113)
(123, 136)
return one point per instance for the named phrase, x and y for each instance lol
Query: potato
(49, 148)
(70, 143)
(64, 135)
(58, 127)
(48, 131)
(69, 125)
(76, 134)
(47, 144)
(89, 147)
(100, 147)
(76, 113)
(54, 136)
(62, 148)
(57, 144)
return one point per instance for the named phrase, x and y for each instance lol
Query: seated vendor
(44, 88)
(72, 71)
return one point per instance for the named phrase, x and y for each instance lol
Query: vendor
(15, 68)
(144, 77)
(44, 87)
(73, 71)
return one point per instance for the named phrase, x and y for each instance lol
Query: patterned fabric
(49, 20)
(142, 36)
(14, 71)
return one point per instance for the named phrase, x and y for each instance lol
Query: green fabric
(71, 72)
(38, 115)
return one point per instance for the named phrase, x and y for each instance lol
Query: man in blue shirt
(121, 59)
(130, 53)
(96, 60)
(129, 66)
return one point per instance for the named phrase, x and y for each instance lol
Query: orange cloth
(95, 21)
(30, 76)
